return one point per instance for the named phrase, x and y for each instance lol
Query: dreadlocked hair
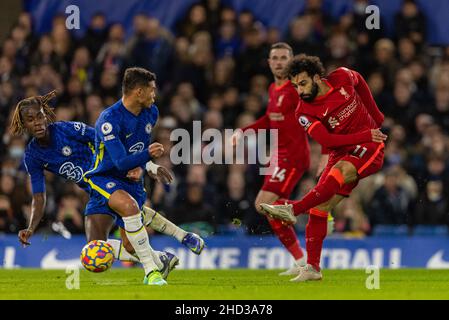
(17, 127)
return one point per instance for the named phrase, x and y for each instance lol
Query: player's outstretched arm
(37, 213)
(328, 140)
(125, 162)
(364, 92)
(261, 123)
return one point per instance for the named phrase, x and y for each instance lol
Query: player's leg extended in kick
(343, 172)
(285, 232)
(98, 227)
(161, 224)
(126, 206)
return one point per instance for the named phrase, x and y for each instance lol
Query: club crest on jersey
(148, 128)
(344, 93)
(333, 122)
(280, 99)
(67, 151)
(106, 128)
(110, 185)
(304, 122)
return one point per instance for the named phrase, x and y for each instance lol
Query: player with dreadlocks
(66, 149)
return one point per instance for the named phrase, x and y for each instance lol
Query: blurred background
(210, 58)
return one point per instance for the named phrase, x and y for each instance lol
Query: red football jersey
(347, 108)
(280, 114)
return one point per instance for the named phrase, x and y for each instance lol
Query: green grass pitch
(224, 284)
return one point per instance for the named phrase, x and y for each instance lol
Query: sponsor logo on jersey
(148, 128)
(67, 151)
(106, 128)
(138, 147)
(71, 172)
(347, 111)
(77, 126)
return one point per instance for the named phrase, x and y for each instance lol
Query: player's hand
(24, 237)
(236, 137)
(163, 175)
(135, 174)
(156, 150)
(378, 136)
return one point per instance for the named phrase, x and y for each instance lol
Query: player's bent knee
(124, 204)
(348, 171)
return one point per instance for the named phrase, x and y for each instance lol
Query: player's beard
(312, 95)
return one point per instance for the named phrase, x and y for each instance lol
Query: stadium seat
(390, 230)
(425, 230)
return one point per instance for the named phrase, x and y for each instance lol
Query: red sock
(321, 193)
(287, 235)
(316, 230)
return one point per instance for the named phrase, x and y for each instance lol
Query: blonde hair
(17, 127)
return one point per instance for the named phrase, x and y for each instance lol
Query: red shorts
(367, 158)
(284, 178)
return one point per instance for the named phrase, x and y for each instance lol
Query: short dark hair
(281, 45)
(303, 63)
(136, 77)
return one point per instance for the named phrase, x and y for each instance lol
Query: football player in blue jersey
(123, 142)
(66, 149)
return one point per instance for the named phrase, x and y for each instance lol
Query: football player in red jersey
(340, 113)
(292, 155)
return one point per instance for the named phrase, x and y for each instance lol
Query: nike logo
(324, 114)
(46, 165)
(50, 261)
(437, 261)
(128, 135)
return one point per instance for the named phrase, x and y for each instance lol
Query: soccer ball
(97, 256)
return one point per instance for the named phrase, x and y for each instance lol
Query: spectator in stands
(410, 22)
(195, 20)
(391, 204)
(432, 207)
(96, 33)
(301, 39)
(6, 215)
(70, 214)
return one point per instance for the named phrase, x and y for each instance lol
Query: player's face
(147, 95)
(34, 121)
(278, 61)
(306, 86)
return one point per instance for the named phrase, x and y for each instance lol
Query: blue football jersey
(69, 155)
(122, 140)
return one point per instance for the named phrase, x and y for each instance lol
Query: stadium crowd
(213, 68)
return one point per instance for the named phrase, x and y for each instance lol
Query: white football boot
(282, 212)
(296, 268)
(308, 273)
